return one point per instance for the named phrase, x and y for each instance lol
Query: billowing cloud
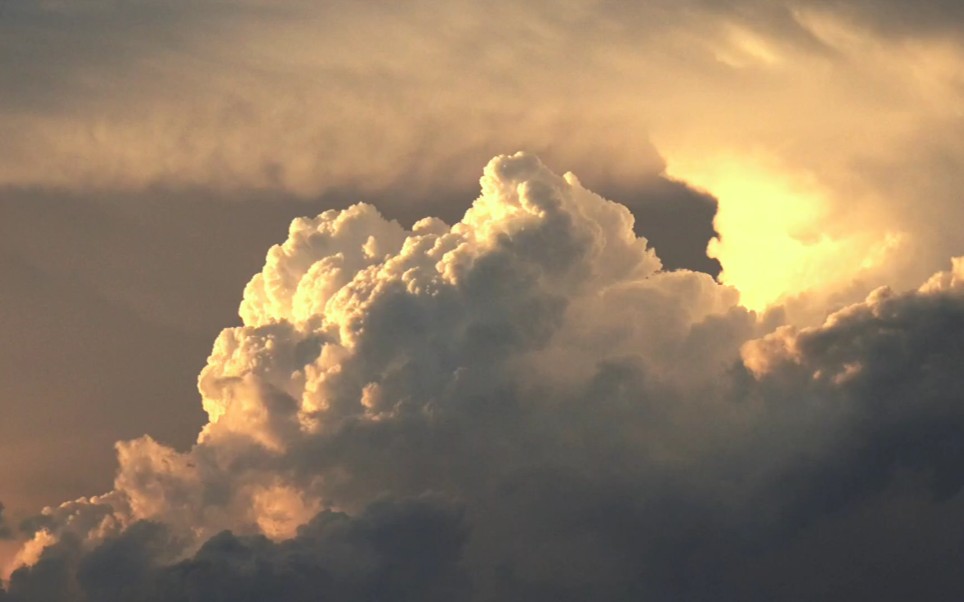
(526, 406)
(132, 266)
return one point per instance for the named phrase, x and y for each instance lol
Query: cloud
(525, 405)
(810, 109)
(934, 17)
(133, 266)
(397, 550)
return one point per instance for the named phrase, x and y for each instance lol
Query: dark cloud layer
(944, 17)
(405, 550)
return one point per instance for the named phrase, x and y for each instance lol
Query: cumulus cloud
(92, 259)
(526, 406)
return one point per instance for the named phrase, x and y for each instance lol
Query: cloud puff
(526, 406)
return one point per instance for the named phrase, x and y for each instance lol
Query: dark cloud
(868, 497)
(68, 56)
(408, 550)
(608, 431)
(894, 17)
(591, 414)
(890, 364)
(676, 219)
(102, 50)
(847, 485)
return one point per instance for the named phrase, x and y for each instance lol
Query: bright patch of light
(775, 235)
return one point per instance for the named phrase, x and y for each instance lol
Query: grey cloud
(73, 69)
(592, 417)
(754, 515)
(323, 98)
(676, 220)
(869, 417)
(891, 365)
(904, 18)
(839, 489)
(99, 50)
(395, 550)
(891, 17)
(606, 446)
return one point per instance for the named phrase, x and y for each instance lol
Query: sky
(481, 301)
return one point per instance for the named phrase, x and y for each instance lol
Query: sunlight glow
(775, 240)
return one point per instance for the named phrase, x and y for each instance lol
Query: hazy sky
(528, 402)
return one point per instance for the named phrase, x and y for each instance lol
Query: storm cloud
(526, 405)
(716, 377)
